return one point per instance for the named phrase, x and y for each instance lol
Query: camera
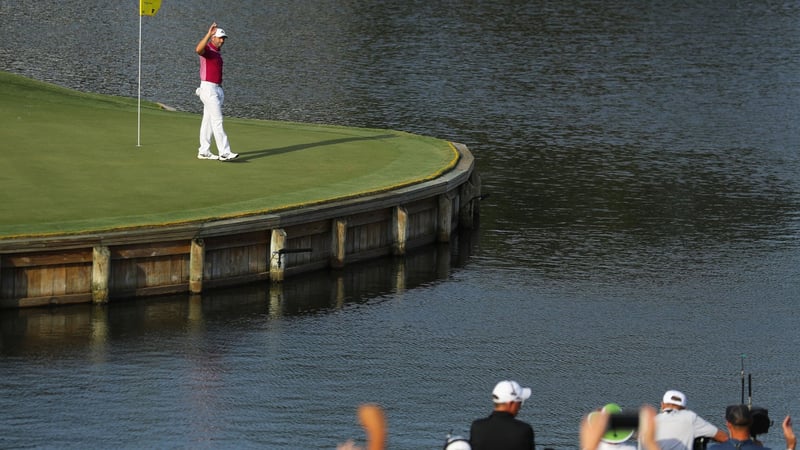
(625, 420)
(761, 421)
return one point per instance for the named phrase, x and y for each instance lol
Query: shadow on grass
(293, 148)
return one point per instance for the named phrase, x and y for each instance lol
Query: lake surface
(641, 231)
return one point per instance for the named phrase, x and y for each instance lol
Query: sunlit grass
(72, 163)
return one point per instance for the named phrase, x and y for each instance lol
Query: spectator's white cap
(675, 398)
(510, 391)
(457, 443)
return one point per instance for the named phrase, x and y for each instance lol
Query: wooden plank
(257, 259)
(7, 282)
(427, 204)
(124, 275)
(260, 237)
(58, 280)
(153, 250)
(304, 229)
(370, 217)
(33, 282)
(47, 258)
(78, 279)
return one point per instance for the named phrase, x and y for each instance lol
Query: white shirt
(676, 429)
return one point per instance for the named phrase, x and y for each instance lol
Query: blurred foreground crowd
(673, 427)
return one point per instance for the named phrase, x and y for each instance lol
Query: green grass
(72, 164)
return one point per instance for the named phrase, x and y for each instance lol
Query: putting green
(72, 164)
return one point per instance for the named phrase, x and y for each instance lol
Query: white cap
(674, 398)
(457, 443)
(510, 391)
(220, 33)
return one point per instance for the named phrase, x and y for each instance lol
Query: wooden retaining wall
(197, 256)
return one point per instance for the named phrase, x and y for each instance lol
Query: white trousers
(212, 96)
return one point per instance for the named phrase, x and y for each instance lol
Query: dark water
(641, 232)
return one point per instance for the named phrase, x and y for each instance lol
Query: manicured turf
(71, 163)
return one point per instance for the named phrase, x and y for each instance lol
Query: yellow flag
(149, 7)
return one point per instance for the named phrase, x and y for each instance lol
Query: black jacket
(501, 431)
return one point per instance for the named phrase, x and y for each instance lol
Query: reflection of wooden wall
(185, 258)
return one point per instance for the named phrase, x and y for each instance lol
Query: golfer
(210, 92)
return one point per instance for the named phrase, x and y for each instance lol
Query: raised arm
(592, 430)
(647, 428)
(788, 434)
(201, 46)
(374, 423)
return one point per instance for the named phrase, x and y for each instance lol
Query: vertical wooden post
(445, 218)
(338, 243)
(197, 256)
(399, 230)
(470, 201)
(101, 273)
(277, 262)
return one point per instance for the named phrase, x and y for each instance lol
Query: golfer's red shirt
(211, 65)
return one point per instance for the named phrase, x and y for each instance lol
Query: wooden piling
(399, 230)
(277, 263)
(197, 256)
(445, 218)
(338, 243)
(101, 273)
(470, 193)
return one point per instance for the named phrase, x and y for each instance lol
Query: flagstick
(139, 104)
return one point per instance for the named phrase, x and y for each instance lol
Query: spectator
(738, 419)
(677, 427)
(502, 430)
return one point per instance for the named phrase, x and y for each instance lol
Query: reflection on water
(621, 207)
(641, 231)
(56, 330)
